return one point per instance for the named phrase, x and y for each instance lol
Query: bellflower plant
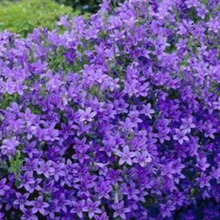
(115, 116)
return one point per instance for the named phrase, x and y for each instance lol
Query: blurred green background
(82, 5)
(22, 16)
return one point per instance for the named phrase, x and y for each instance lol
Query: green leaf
(15, 164)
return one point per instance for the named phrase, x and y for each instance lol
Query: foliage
(23, 16)
(84, 6)
(115, 118)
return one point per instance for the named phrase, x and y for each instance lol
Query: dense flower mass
(116, 118)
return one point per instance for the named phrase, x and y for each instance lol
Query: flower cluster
(114, 117)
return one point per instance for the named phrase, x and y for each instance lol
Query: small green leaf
(15, 164)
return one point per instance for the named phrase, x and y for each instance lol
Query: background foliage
(84, 6)
(23, 16)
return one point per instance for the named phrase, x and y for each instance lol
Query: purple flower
(114, 176)
(187, 125)
(120, 210)
(45, 168)
(202, 11)
(70, 55)
(166, 209)
(30, 149)
(105, 5)
(86, 115)
(209, 130)
(21, 200)
(131, 192)
(202, 163)
(59, 170)
(192, 3)
(82, 128)
(30, 166)
(102, 217)
(2, 216)
(3, 186)
(38, 205)
(92, 208)
(9, 146)
(78, 208)
(66, 131)
(103, 189)
(147, 110)
(142, 158)
(214, 25)
(64, 21)
(61, 203)
(28, 214)
(163, 130)
(203, 180)
(215, 173)
(26, 181)
(180, 136)
(125, 156)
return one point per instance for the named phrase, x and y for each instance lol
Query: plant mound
(116, 118)
(23, 16)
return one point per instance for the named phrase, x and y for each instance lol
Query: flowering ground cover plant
(115, 118)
